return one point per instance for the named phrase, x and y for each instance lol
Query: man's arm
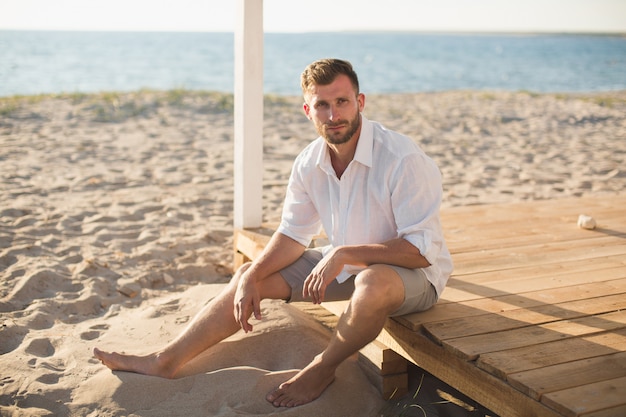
(280, 252)
(398, 252)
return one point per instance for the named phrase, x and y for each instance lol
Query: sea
(40, 62)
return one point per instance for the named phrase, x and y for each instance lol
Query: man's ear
(361, 101)
(306, 109)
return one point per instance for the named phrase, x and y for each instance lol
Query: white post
(248, 176)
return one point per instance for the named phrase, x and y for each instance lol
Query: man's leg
(212, 324)
(378, 292)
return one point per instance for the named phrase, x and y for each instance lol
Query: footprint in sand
(49, 379)
(40, 347)
(55, 406)
(94, 332)
(11, 336)
(56, 365)
(6, 380)
(7, 260)
(71, 259)
(90, 335)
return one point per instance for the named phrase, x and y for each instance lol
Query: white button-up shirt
(390, 189)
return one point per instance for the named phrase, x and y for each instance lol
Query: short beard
(353, 127)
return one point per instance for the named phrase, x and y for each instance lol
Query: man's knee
(239, 272)
(380, 283)
(379, 275)
(243, 268)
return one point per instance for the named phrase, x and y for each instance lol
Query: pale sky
(320, 15)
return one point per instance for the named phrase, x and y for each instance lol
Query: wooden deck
(533, 321)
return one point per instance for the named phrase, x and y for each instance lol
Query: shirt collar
(364, 148)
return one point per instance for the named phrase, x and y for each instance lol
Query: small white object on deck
(586, 222)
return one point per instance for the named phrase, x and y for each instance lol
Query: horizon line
(356, 31)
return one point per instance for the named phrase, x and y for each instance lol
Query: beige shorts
(419, 293)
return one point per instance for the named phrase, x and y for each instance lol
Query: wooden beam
(488, 390)
(248, 157)
(248, 245)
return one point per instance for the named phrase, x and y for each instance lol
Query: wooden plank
(534, 356)
(545, 253)
(543, 290)
(384, 359)
(618, 411)
(463, 287)
(496, 224)
(538, 382)
(503, 303)
(502, 236)
(248, 245)
(472, 346)
(491, 392)
(544, 270)
(390, 385)
(523, 317)
(555, 208)
(588, 398)
(533, 283)
(250, 242)
(527, 215)
(322, 315)
(336, 307)
(461, 229)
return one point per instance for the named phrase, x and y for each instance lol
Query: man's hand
(322, 275)
(247, 301)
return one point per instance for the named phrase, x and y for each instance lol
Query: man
(377, 196)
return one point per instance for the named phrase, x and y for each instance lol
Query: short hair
(324, 72)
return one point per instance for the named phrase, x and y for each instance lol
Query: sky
(602, 16)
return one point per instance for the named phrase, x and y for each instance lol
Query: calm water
(54, 62)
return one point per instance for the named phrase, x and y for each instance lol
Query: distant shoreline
(268, 96)
(419, 32)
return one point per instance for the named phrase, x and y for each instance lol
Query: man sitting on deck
(377, 196)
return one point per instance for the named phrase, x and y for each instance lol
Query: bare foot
(150, 364)
(306, 386)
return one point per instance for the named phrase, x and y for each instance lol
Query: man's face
(335, 110)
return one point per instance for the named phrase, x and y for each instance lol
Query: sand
(116, 227)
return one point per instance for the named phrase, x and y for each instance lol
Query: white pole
(248, 176)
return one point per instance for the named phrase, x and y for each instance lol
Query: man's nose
(333, 113)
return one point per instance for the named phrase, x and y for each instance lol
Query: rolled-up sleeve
(416, 199)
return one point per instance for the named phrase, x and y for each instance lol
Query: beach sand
(116, 227)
